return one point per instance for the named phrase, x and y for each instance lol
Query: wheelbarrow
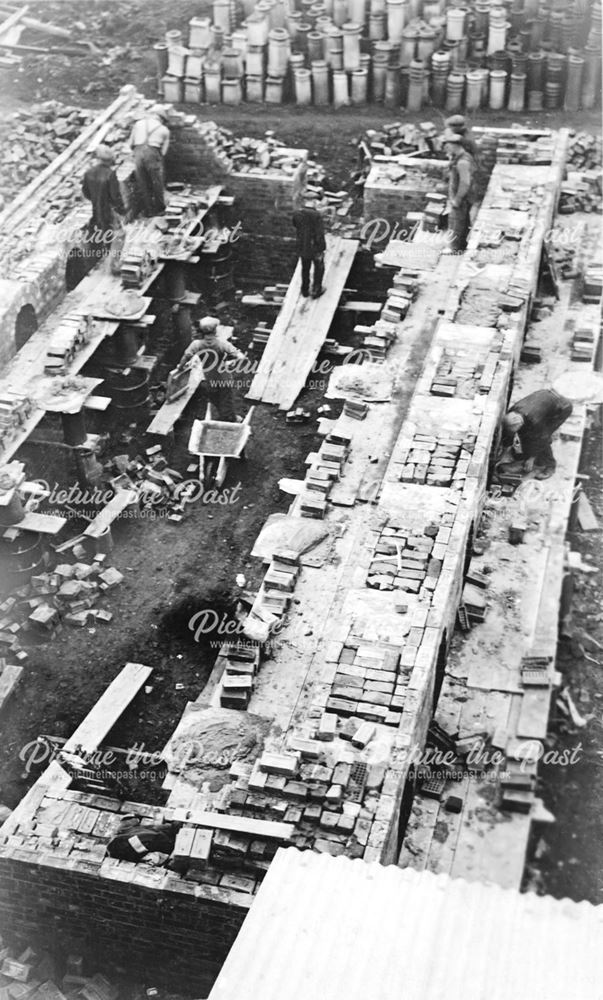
(215, 442)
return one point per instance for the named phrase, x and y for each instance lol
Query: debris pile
(34, 975)
(32, 138)
(158, 487)
(66, 594)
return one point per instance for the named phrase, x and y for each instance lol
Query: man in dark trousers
(150, 140)
(101, 187)
(460, 189)
(137, 840)
(215, 354)
(534, 419)
(310, 247)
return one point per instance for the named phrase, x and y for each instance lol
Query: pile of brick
(438, 459)
(34, 975)
(400, 137)
(463, 373)
(330, 799)
(66, 594)
(324, 470)
(372, 679)
(241, 663)
(159, 487)
(32, 138)
(14, 411)
(405, 560)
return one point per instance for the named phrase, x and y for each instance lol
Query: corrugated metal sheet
(325, 928)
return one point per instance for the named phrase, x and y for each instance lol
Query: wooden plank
(46, 524)
(301, 329)
(534, 714)
(105, 517)
(99, 403)
(586, 516)
(109, 708)
(9, 678)
(165, 418)
(235, 824)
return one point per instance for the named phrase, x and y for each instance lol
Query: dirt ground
(173, 570)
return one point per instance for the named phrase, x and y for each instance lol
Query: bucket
(193, 90)
(359, 86)
(517, 92)
(278, 52)
(254, 88)
(455, 86)
(320, 82)
(573, 87)
(221, 15)
(393, 87)
(161, 58)
(254, 64)
(497, 35)
(315, 49)
(302, 86)
(498, 82)
(273, 93)
(334, 49)
(351, 46)
(455, 24)
(357, 11)
(473, 92)
(257, 29)
(212, 80)
(340, 12)
(396, 19)
(129, 391)
(378, 82)
(172, 89)
(341, 96)
(376, 26)
(173, 37)
(176, 60)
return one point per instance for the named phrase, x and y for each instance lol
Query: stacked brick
(437, 459)
(408, 561)
(392, 191)
(371, 679)
(461, 372)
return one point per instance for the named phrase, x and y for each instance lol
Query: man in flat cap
(101, 187)
(534, 419)
(460, 189)
(150, 140)
(216, 355)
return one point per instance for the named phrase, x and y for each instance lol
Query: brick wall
(178, 939)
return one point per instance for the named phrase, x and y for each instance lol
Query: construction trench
(329, 626)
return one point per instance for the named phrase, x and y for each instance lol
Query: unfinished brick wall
(178, 939)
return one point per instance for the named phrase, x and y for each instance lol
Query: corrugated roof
(324, 928)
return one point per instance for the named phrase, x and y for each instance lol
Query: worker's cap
(512, 422)
(160, 110)
(208, 324)
(450, 136)
(456, 122)
(104, 154)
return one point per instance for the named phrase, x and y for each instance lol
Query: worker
(215, 354)
(150, 140)
(458, 123)
(460, 189)
(534, 419)
(101, 187)
(138, 840)
(310, 247)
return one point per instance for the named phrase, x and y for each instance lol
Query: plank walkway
(300, 330)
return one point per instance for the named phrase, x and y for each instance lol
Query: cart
(215, 441)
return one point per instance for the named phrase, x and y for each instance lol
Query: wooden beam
(165, 418)
(106, 517)
(235, 824)
(109, 708)
(301, 329)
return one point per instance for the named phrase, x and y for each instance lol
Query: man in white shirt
(149, 140)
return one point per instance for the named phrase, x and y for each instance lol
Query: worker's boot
(317, 292)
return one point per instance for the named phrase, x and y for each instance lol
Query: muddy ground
(172, 570)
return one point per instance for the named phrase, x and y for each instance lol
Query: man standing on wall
(150, 140)
(460, 189)
(101, 187)
(310, 247)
